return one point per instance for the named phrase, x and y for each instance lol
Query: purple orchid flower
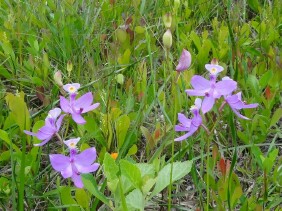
(75, 165)
(184, 61)
(71, 88)
(210, 89)
(235, 102)
(190, 125)
(78, 107)
(51, 127)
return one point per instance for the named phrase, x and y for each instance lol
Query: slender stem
(22, 176)
(60, 138)
(207, 166)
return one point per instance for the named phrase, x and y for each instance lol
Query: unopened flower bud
(58, 78)
(184, 61)
(176, 4)
(167, 18)
(69, 67)
(214, 61)
(167, 39)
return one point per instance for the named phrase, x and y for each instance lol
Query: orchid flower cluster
(211, 91)
(76, 163)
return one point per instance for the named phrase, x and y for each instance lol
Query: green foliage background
(115, 50)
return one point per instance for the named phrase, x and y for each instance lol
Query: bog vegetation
(141, 105)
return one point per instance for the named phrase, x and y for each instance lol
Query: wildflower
(184, 61)
(71, 88)
(210, 89)
(190, 125)
(75, 165)
(114, 155)
(235, 102)
(78, 107)
(51, 127)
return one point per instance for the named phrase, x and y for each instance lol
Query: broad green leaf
(132, 150)
(135, 200)
(148, 184)
(196, 40)
(257, 153)
(5, 155)
(276, 117)
(121, 126)
(139, 29)
(126, 184)
(254, 84)
(132, 172)
(125, 58)
(146, 133)
(91, 185)
(243, 137)
(121, 35)
(179, 170)
(146, 169)
(66, 198)
(82, 198)
(110, 167)
(19, 110)
(268, 162)
(265, 78)
(5, 137)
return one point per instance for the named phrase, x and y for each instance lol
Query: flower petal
(29, 133)
(192, 130)
(76, 178)
(71, 143)
(59, 122)
(84, 101)
(184, 61)
(200, 83)
(78, 118)
(239, 115)
(65, 105)
(214, 69)
(207, 104)
(253, 105)
(180, 128)
(45, 132)
(90, 108)
(54, 113)
(67, 172)
(194, 92)
(225, 87)
(198, 103)
(71, 88)
(87, 169)
(86, 158)
(184, 120)
(43, 142)
(59, 162)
